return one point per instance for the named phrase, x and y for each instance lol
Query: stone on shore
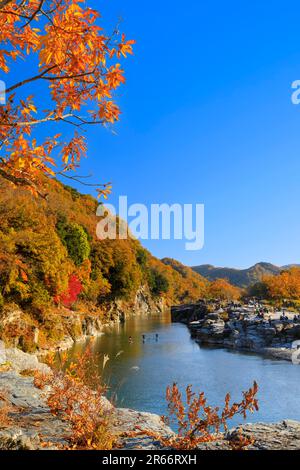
(241, 330)
(267, 436)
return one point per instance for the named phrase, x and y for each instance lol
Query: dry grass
(5, 410)
(75, 395)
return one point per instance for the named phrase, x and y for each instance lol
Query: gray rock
(32, 421)
(21, 361)
(213, 316)
(280, 436)
(2, 353)
(15, 439)
(273, 338)
(128, 421)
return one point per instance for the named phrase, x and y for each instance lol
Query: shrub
(142, 257)
(75, 238)
(75, 394)
(158, 283)
(39, 296)
(97, 289)
(69, 297)
(197, 422)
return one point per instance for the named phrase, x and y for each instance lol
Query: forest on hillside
(51, 259)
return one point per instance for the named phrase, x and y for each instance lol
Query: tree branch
(65, 117)
(8, 12)
(31, 79)
(69, 77)
(34, 13)
(20, 181)
(78, 179)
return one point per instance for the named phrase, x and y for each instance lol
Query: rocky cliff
(18, 329)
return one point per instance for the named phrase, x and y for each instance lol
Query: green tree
(158, 283)
(75, 239)
(142, 257)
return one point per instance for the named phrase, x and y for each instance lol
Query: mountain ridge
(240, 277)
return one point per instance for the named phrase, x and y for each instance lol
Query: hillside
(51, 262)
(238, 277)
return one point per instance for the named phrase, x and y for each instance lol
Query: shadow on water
(140, 369)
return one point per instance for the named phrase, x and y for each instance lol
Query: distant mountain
(240, 277)
(288, 266)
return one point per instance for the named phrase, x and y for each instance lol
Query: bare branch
(53, 119)
(69, 77)
(78, 179)
(31, 79)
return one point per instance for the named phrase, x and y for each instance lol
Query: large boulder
(19, 361)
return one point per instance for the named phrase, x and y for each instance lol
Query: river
(138, 372)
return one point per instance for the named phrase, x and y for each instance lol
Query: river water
(138, 372)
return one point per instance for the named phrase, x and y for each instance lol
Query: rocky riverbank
(241, 329)
(33, 427)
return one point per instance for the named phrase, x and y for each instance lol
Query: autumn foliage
(223, 290)
(74, 393)
(77, 66)
(284, 287)
(69, 297)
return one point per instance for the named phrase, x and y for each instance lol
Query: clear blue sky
(207, 118)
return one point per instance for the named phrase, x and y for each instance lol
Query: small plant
(75, 394)
(196, 422)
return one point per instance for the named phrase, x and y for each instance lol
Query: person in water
(130, 339)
